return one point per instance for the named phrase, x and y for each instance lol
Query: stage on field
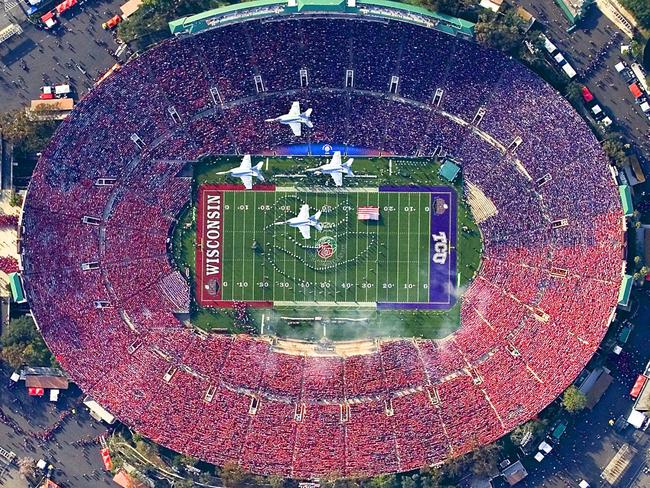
(386, 247)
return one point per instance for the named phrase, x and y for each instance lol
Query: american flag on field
(367, 213)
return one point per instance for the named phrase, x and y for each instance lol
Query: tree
(383, 481)
(27, 467)
(430, 477)
(616, 150)
(573, 400)
(407, 482)
(17, 128)
(150, 22)
(276, 481)
(185, 483)
(504, 32)
(233, 474)
(22, 344)
(188, 460)
(457, 466)
(640, 9)
(457, 8)
(573, 93)
(16, 200)
(485, 460)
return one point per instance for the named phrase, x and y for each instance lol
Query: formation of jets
(295, 119)
(335, 169)
(245, 171)
(303, 222)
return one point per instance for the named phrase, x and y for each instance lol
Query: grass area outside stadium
(287, 320)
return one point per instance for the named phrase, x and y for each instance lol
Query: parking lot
(77, 53)
(74, 465)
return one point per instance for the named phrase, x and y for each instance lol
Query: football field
(403, 259)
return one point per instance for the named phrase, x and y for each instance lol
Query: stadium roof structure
(449, 170)
(625, 291)
(385, 9)
(16, 288)
(626, 199)
(246, 399)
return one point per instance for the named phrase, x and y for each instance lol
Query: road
(593, 49)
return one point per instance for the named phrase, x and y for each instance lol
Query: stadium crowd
(107, 190)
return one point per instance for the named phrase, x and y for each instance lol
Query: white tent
(538, 457)
(548, 45)
(98, 412)
(636, 419)
(568, 69)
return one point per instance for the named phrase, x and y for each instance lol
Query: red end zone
(209, 239)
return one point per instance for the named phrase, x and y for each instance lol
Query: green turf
(383, 261)
(396, 171)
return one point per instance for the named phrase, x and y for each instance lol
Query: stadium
(384, 80)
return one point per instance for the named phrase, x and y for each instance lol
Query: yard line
(294, 287)
(408, 247)
(254, 284)
(271, 236)
(312, 208)
(284, 260)
(420, 207)
(304, 279)
(387, 235)
(313, 234)
(243, 278)
(398, 229)
(356, 243)
(347, 254)
(428, 254)
(366, 223)
(377, 254)
(232, 249)
(336, 268)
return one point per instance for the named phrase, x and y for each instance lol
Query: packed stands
(531, 319)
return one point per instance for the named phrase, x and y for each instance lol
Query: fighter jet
(246, 172)
(335, 169)
(295, 119)
(304, 222)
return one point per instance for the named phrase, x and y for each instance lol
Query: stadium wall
(379, 9)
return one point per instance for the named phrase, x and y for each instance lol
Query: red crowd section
(530, 320)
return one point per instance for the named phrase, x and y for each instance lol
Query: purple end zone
(442, 249)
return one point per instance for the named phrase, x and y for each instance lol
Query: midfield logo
(326, 247)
